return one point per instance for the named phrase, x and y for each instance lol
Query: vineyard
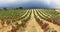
(30, 20)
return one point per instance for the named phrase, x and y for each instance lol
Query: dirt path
(58, 11)
(24, 14)
(27, 15)
(51, 25)
(32, 25)
(9, 27)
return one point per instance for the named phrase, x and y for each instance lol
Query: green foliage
(20, 7)
(11, 14)
(5, 9)
(51, 14)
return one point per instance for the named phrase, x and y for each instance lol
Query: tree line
(12, 8)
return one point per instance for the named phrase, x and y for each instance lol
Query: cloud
(47, 2)
(7, 2)
(12, 1)
(56, 2)
(52, 3)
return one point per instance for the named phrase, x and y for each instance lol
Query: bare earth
(58, 11)
(51, 25)
(32, 25)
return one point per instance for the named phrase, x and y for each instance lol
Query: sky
(30, 3)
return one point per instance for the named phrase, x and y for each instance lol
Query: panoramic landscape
(28, 16)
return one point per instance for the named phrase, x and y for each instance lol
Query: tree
(20, 7)
(5, 8)
(0, 9)
(17, 8)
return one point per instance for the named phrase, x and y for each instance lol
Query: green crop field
(21, 20)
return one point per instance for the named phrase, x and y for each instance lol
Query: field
(30, 20)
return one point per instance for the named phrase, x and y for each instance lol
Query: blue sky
(30, 3)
